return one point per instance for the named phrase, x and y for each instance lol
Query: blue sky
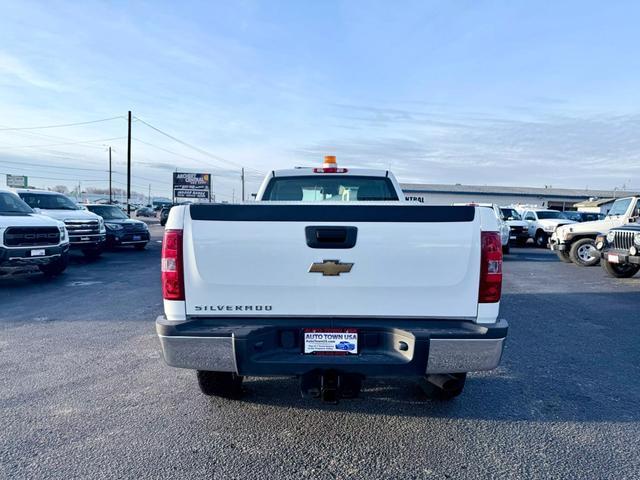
(478, 92)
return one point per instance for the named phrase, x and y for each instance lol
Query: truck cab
(87, 232)
(331, 277)
(330, 184)
(542, 223)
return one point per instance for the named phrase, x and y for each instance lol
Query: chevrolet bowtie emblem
(330, 268)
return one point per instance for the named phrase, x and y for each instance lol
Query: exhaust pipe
(445, 381)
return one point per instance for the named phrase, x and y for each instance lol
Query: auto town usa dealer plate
(331, 341)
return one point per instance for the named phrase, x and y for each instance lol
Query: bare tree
(61, 189)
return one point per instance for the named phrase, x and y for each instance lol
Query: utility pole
(129, 163)
(150, 195)
(242, 177)
(110, 190)
(213, 190)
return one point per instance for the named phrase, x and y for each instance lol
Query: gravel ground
(85, 393)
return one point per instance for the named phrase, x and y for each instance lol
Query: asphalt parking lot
(85, 393)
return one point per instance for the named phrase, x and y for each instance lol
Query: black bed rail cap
(268, 212)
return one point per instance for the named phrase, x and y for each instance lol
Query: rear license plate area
(330, 341)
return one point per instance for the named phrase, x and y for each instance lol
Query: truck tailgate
(407, 261)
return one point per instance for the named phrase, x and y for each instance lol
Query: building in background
(554, 198)
(602, 205)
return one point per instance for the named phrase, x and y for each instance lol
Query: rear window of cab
(334, 188)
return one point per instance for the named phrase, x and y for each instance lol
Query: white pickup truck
(331, 277)
(29, 240)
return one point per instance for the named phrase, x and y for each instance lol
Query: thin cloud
(568, 151)
(11, 66)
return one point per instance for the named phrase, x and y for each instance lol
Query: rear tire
(541, 239)
(435, 393)
(220, 384)
(563, 256)
(505, 249)
(616, 270)
(583, 253)
(56, 267)
(522, 242)
(141, 246)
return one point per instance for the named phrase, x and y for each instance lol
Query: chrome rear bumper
(399, 349)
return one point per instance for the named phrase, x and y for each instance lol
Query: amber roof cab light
(330, 165)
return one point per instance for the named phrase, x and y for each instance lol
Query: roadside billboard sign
(17, 181)
(192, 185)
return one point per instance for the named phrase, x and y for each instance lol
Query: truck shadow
(531, 254)
(537, 399)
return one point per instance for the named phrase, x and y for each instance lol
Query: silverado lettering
(232, 308)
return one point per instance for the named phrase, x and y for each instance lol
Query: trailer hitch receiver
(330, 385)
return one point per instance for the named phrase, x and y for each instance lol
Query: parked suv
(145, 212)
(518, 228)
(86, 230)
(576, 243)
(542, 223)
(164, 214)
(121, 230)
(620, 251)
(28, 239)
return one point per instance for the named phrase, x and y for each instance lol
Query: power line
(54, 166)
(52, 137)
(60, 125)
(154, 181)
(203, 162)
(172, 152)
(80, 142)
(29, 164)
(60, 179)
(193, 147)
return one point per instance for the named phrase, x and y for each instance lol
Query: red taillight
(172, 271)
(330, 170)
(490, 268)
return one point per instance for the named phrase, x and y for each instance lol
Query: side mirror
(37, 210)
